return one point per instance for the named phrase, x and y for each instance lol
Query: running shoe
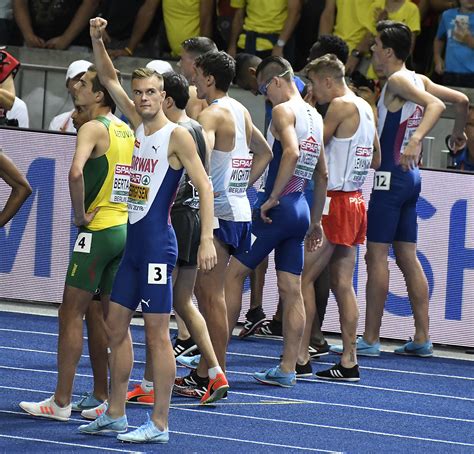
(315, 351)
(363, 348)
(411, 348)
(254, 319)
(94, 413)
(270, 329)
(139, 396)
(146, 433)
(47, 408)
(183, 347)
(340, 373)
(191, 386)
(275, 376)
(105, 424)
(304, 370)
(216, 389)
(191, 362)
(86, 402)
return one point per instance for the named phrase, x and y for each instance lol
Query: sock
(147, 386)
(213, 371)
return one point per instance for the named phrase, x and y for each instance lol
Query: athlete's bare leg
(257, 282)
(417, 286)
(183, 332)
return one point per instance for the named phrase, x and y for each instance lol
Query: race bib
(362, 162)
(139, 190)
(83, 243)
(157, 273)
(309, 155)
(412, 124)
(121, 184)
(239, 178)
(382, 181)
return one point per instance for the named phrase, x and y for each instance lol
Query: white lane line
(64, 443)
(218, 437)
(325, 426)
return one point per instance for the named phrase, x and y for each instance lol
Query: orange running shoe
(216, 390)
(139, 396)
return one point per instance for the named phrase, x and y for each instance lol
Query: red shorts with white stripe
(346, 222)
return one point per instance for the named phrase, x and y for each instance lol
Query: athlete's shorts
(235, 235)
(346, 222)
(144, 275)
(285, 235)
(187, 227)
(95, 258)
(392, 214)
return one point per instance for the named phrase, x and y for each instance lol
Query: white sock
(146, 385)
(213, 371)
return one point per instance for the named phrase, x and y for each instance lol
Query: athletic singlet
(187, 194)
(151, 175)
(309, 131)
(396, 128)
(230, 170)
(349, 159)
(107, 178)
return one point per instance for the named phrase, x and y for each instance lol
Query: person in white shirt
(19, 112)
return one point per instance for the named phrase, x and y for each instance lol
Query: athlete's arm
(335, 115)
(209, 120)
(20, 188)
(88, 137)
(107, 74)
(377, 155)
(399, 86)
(262, 154)
(283, 121)
(183, 153)
(7, 93)
(461, 108)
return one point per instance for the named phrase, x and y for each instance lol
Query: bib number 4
(83, 243)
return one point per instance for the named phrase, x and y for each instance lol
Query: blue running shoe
(191, 362)
(275, 376)
(147, 433)
(413, 349)
(104, 423)
(363, 348)
(86, 402)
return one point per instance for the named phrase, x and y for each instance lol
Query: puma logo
(155, 148)
(146, 303)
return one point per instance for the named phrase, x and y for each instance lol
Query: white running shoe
(47, 409)
(94, 413)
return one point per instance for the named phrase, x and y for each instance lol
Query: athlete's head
(192, 48)
(147, 92)
(245, 72)
(74, 72)
(79, 116)
(326, 74)
(329, 44)
(393, 40)
(273, 73)
(177, 91)
(214, 71)
(89, 90)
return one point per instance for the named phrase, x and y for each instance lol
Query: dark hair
(396, 36)
(220, 65)
(329, 44)
(97, 86)
(273, 66)
(243, 62)
(177, 88)
(199, 45)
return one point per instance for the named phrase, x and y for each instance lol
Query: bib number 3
(382, 181)
(157, 273)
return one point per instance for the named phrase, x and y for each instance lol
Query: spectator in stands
(63, 122)
(160, 66)
(186, 19)
(132, 27)
(223, 24)
(464, 158)
(456, 34)
(9, 66)
(8, 31)
(264, 27)
(54, 24)
(18, 114)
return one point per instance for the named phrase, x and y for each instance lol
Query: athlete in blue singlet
(161, 151)
(408, 108)
(284, 218)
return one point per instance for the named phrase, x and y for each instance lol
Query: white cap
(160, 66)
(77, 67)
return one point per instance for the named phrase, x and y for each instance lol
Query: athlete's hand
(267, 206)
(411, 155)
(97, 27)
(87, 219)
(314, 237)
(207, 256)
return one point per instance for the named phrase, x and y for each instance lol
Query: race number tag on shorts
(327, 204)
(309, 155)
(83, 243)
(121, 184)
(382, 181)
(215, 223)
(157, 273)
